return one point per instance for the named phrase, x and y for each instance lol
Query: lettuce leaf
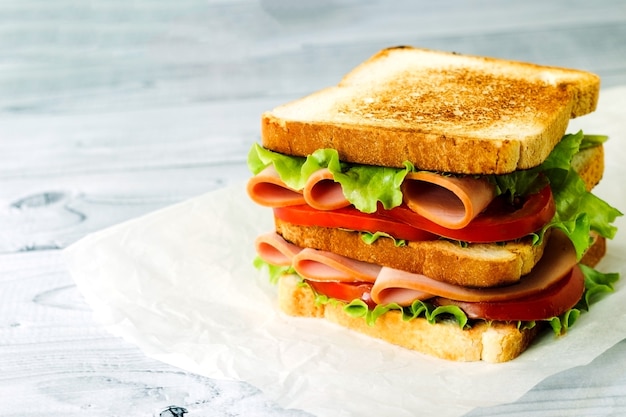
(370, 238)
(596, 284)
(553, 169)
(560, 325)
(578, 211)
(274, 272)
(589, 141)
(363, 185)
(433, 314)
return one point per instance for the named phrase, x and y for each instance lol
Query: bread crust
(440, 111)
(589, 164)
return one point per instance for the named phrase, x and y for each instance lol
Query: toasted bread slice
(474, 265)
(441, 111)
(486, 341)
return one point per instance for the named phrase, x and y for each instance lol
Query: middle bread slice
(470, 265)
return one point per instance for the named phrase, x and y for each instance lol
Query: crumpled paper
(179, 283)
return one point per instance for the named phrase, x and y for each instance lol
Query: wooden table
(111, 109)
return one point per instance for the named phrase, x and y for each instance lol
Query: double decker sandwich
(435, 201)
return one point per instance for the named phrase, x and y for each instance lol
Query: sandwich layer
(440, 111)
(487, 341)
(472, 265)
(495, 342)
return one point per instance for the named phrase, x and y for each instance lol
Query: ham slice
(267, 189)
(403, 287)
(323, 193)
(273, 249)
(320, 191)
(451, 202)
(313, 264)
(320, 265)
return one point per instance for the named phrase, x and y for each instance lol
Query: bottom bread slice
(490, 342)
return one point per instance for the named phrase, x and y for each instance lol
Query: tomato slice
(554, 301)
(344, 291)
(500, 222)
(352, 219)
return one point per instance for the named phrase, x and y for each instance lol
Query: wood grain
(111, 109)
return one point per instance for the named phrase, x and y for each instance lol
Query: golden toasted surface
(441, 111)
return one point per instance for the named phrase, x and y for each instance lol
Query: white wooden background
(110, 109)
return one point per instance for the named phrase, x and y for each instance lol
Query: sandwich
(435, 201)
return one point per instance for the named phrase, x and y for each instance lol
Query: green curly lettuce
(363, 185)
(370, 238)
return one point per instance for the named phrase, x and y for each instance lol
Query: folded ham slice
(273, 249)
(318, 265)
(451, 202)
(315, 265)
(403, 288)
(267, 189)
(320, 191)
(323, 193)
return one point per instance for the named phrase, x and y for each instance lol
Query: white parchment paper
(179, 284)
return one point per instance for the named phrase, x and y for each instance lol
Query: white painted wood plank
(55, 360)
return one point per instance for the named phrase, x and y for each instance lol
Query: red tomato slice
(344, 291)
(353, 219)
(498, 223)
(555, 301)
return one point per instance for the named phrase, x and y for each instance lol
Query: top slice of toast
(441, 111)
